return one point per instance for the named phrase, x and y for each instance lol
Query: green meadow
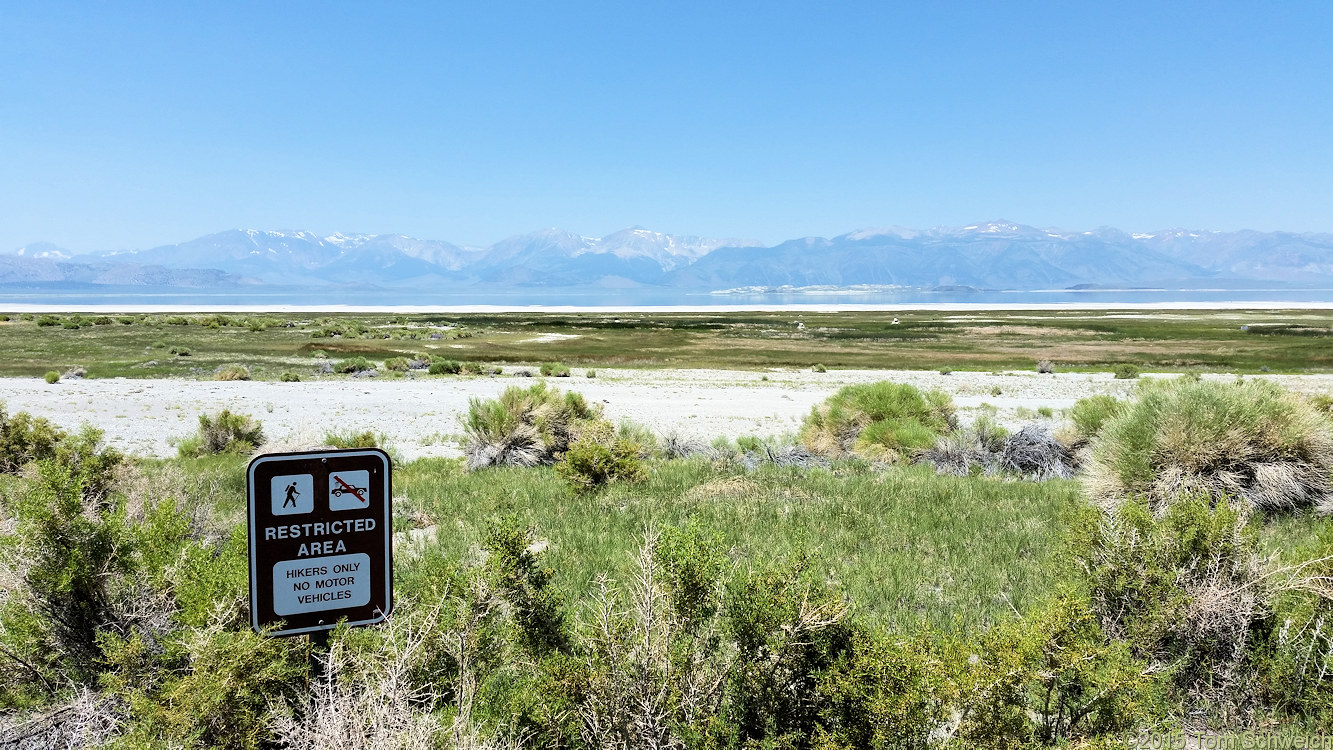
(142, 345)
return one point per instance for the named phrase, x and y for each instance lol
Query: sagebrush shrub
(599, 457)
(1249, 440)
(24, 439)
(524, 426)
(554, 370)
(232, 372)
(1050, 677)
(444, 367)
(52, 377)
(224, 432)
(397, 364)
(1187, 588)
(1126, 372)
(354, 364)
(68, 549)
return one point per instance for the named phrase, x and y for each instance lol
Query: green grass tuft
(1249, 440)
(877, 420)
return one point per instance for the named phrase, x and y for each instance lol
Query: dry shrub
(972, 450)
(959, 454)
(368, 700)
(1186, 591)
(224, 432)
(986, 448)
(89, 719)
(232, 372)
(524, 426)
(304, 438)
(675, 445)
(790, 455)
(1033, 453)
(1249, 440)
(144, 490)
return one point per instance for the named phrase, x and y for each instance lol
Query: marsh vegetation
(140, 346)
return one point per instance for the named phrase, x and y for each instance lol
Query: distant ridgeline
(993, 256)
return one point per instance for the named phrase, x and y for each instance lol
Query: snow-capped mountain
(997, 254)
(554, 257)
(43, 250)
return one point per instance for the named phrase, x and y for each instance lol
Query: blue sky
(138, 124)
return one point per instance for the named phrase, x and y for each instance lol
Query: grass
(875, 419)
(1281, 340)
(1246, 439)
(908, 548)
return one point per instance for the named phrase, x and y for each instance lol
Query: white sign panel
(321, 584)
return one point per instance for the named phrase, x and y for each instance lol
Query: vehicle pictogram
(348, 490)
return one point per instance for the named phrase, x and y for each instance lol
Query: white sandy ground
(420, 417)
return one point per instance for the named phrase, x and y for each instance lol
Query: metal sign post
(321, 540)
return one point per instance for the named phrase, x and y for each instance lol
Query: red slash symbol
(349, 488)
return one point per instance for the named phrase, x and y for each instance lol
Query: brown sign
(321, 544)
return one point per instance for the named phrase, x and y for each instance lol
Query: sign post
(321, 544)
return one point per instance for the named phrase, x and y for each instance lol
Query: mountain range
(993, 255)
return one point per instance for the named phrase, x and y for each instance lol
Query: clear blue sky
(136, 124)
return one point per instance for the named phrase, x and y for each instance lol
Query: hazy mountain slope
(303, 257)
(19, 270)
(1276, 256)
(996, 255)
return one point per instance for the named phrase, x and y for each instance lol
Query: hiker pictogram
(292, 494)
